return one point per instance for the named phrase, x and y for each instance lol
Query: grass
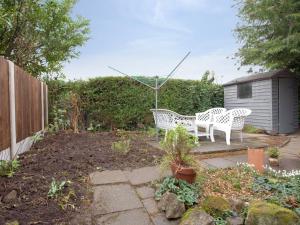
(252, 130)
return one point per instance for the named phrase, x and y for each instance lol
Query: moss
(264, 213)
(215, 206)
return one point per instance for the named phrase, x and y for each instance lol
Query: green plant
(122, 146)
(252, 129)
(118, 102)
(177, 145)
(60, 121)
(56, 188)
(94, 128)
(186, 193)
(8, 168)
(273, 152)
(37, 137)
(220, 221)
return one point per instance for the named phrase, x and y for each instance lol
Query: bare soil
(65, 156)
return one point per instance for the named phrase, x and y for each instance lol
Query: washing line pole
(156, 87)
(156, 106)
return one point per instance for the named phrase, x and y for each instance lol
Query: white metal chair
(206, 118)
(167, 120)
(231, 120)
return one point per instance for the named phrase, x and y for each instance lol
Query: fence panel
(4, 105)
(20, 89)
(28, 104)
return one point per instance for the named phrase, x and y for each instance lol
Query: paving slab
(237, 158)
(145, 175)
(145, 192)
(219, 163)
(131, 217)
(108, 177)
(114, 198)
(150, 205)
(160, 219)
(289, 162)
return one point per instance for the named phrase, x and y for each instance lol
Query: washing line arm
(175, 68)
(131, 77)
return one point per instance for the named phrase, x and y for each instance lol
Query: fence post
(43, 110)
(12, 109)
(46, 108)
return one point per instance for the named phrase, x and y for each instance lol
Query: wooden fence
(23, 109)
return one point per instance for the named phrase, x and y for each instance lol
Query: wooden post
(43, 110)
(12, 109)
(47, 112)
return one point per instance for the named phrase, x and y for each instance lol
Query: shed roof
(261, 76)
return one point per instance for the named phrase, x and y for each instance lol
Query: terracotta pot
(256, 157)
(273, 162)
(184, 173)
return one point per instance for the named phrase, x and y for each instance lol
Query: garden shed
(272, 97)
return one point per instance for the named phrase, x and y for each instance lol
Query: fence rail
(23, 109)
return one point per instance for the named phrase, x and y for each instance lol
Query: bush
(273, 152)
(119, 102)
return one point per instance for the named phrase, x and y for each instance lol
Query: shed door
(286, 101)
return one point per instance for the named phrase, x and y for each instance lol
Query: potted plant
(177, 145)
(273, 153)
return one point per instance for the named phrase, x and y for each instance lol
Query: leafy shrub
(122, 146)
(118, 102)
(8, 168)
(273, 152)
(186, 193)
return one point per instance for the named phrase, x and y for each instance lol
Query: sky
(149, 37)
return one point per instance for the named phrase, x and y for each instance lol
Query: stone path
(290, 154)
(126, 198)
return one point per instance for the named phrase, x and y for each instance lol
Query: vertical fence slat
(4, 106)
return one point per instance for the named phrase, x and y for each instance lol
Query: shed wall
(260, 103)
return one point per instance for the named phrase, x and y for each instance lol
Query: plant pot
(184, 173)
(273, 162)
(256, 157)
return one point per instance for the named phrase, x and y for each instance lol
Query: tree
(270, 33)
(40, 35)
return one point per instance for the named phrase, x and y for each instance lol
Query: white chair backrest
(167, 119)
(164, 117)
(238, 117)
(209, 114)
(217, 111)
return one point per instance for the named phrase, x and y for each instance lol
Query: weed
(56, 188)
(252, 130)
(8, 168)
(273, 152)
(122, 146)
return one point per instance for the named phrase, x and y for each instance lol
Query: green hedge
(123, 103)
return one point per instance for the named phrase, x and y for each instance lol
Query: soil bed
(65, 156)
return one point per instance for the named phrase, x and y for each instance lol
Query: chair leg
(212, 138)
(241, 136)
(228, 133)
(207, 132)
(196, 134)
